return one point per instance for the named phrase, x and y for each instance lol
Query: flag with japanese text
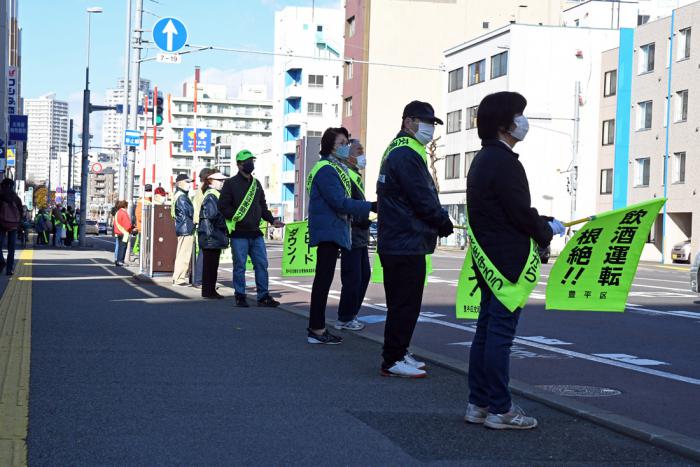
(377, 276)
(298, 258)
(595, 270)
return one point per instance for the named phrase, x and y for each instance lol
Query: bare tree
(431, 150)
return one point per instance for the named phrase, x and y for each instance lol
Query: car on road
(102, 228)
(91, 227)
(373, 235)
(681, 252)
(695, 274)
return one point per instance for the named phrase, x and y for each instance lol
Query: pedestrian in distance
(57, 220)
(331, 212)
(503, 225)
(141, 205)
(122, 230)
(68, 216)
(243, 204)
(182, 212)
(198, 257)
(354, 263)
(409, 221)
(10, 220)
(212, 234)
(42, 226)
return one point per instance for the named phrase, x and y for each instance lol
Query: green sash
(178, 193)
(404, 141)
(357, 180)
(243, 208)
(344, 178)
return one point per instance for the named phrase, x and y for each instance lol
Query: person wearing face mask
(503, 225)
(354, 263)
(332, 210)
(182, 212)
(212, 234)
(410, 219)
(243, 204)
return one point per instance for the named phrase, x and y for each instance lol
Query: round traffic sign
(169, 34)
(96, 168)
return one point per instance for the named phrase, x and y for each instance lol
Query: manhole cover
(572, 390)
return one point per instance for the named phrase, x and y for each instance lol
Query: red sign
(96, 168)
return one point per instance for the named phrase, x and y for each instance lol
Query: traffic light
(159, 111)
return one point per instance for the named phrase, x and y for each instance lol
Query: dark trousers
(404, 278)
(354, 275)
(11, 245)
(489, 356)
(198, 265)
(326, 258)
(121, 248)
(210, 270)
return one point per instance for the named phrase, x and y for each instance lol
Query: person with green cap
(242, 203)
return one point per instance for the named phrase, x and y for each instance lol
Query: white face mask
(217, 184)
(361, 161)
(425, 133)
(522, 126)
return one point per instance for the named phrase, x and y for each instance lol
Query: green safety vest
(243, 208)
(357, 180)
(344, 178)
(178, 193)
(511, 295)
(404, 141)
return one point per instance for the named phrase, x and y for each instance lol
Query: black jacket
(360, 227)
(409, 212)
(184, 213)
(232, 195)
(498, 206)
(212, 225)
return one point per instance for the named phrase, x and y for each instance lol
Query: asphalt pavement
(132, 373)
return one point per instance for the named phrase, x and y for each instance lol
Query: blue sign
(203, 139)
(120, 108)
(169, 34)
(132, 138)
(18, 128)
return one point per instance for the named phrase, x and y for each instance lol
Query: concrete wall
(608, 108)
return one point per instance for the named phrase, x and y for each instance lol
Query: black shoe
(268, 302)
(325, 338)
(118, 263)
(215, 296)
(241, 301)
(2, 265)
(10, 273)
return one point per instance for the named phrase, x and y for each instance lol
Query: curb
(656, 436)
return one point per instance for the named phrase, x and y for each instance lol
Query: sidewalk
(128, 373)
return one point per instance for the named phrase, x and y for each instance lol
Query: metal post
(668, 127)
(133, 103)
(70, 152)
(3, 80)
(125, 103)
(573, 177)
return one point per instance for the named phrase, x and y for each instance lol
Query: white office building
(112, 130)
(307, 91)
(543, 63)
(617, 14)
(47, 135)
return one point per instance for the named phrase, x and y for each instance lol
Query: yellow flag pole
(566, 224)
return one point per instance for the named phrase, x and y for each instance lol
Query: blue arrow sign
(203, 139)
(169, 34)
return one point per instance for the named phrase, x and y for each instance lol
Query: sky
(54, 37)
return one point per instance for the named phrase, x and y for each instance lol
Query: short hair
(497, 112)
(204, 174)
(121, 204)
(328, 139)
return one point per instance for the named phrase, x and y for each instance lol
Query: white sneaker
(410, 359)
(352, 325)
(403, 370)
(476, 414)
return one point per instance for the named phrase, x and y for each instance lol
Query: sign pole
(125, 103)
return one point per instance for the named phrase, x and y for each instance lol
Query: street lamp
(86, 132)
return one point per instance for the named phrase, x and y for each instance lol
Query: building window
(610, 84)
(348, 106)
(641, 173)
(606, 181)
(454, 121)
(485, 25)
(315, 81)
(608, 132)
(684, 44)
(335, 109)
(642, 19)
(477, 72)
(319, 28)
(315, 109)
(349, 70)
(681, 107)
(471, 117)
(678, 167)
(316, 134)
(451, 166)
(350, 27)
(499, 65)
(644, 110)
(455, 79)
(337, 81)
(646, 58)
(468, 159)
(267, 182)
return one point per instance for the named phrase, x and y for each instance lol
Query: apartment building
(112, 130)
(47, 134)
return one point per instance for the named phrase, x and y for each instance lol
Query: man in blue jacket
(182, 213)
(410, 219)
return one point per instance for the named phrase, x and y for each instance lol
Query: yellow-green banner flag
(595, 270)
(468, 295)
(377, 276)
(227, 256)
(298, 258)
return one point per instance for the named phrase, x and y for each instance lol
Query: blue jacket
(212, 232)
(409, 211)
(331, 211)
(184, 212)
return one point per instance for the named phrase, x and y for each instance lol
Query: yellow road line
(675, 268)
(15, 342)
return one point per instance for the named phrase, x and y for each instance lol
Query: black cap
(148, 187)
(182, 177)
(422, 110)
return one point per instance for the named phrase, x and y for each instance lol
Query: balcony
(293, 119)
(288, 176)
(290, 147)
(293, 90)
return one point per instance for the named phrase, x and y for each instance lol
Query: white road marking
(73, 278)
(545, 340)
(126, 279)
(622, 357)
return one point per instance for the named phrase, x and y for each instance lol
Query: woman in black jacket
(10, 219)
(212, 234)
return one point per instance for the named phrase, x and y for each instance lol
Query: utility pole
(125, 102)
(573, 176)
(70, 153)
(133, 103)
